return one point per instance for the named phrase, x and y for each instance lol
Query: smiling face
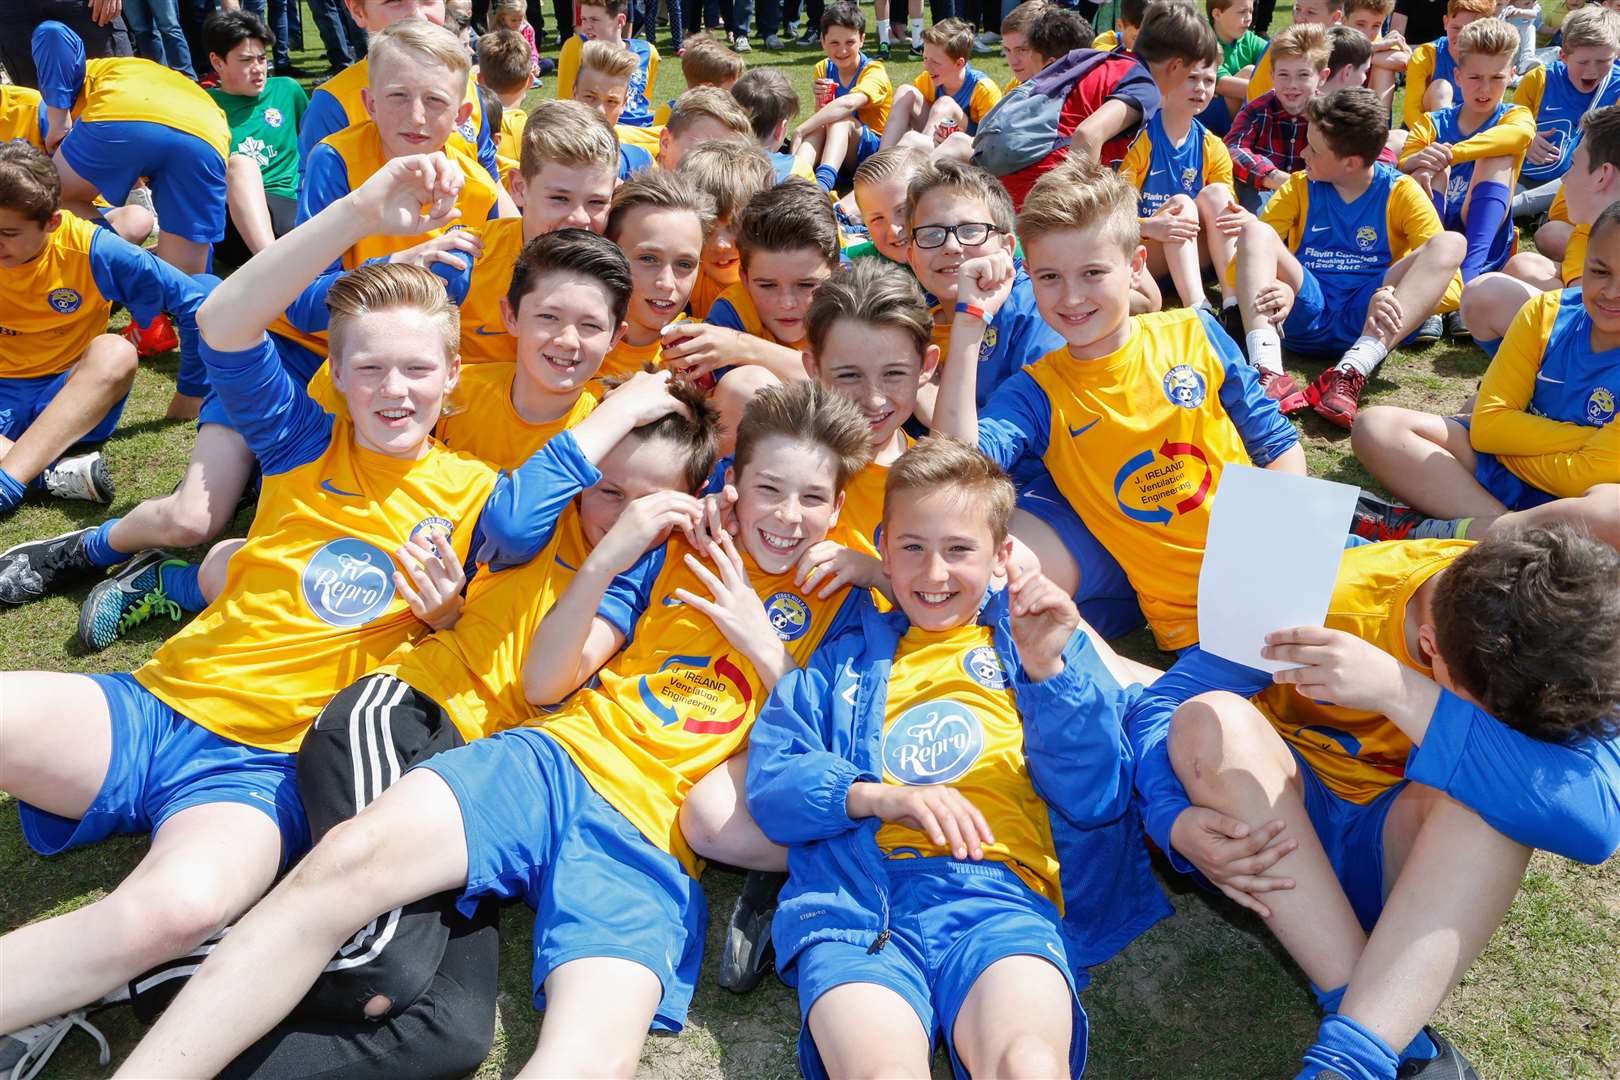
(1482, 81)
(564, 197)
(602, 92)
(1082, 283)
(786, 501)
(883, 209)
(940, 555)
(1020, 57)
(22, 238)
(1588, 66)
(781, 283)
(245, 70)
(878, 368)
(394, 378)
(843, 44)
(633, 468)
(936, 267)
(722, 262)
(564, 326)
(1600, 286)
(417, 104)
(1232, 23)
(1296, 80)
(665, 248)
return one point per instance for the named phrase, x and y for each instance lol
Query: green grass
(1206, 994)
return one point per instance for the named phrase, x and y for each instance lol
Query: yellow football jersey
(345, 87)
(484, 339)
(1574, 264)
(20, 110)
(679, 699)
(743, 304)
(50, 307)
(625, 359)
(482, 421)
(862, 513)
(951, 719)
(704, 294)
(1359, 755)
(122, 88)
(872, 79)
(309, 603)
(475, 670)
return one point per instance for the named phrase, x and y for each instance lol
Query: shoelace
(50, 1035)
(153, 603)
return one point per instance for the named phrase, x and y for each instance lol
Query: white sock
(916, 33)
(1265, 349)
(1204, 305)
(1364, 356)
(1230, 301)
(883, 33)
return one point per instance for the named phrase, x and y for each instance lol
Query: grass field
(1204, 995)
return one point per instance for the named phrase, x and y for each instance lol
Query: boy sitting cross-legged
(946, 886)
(1360, 247)
(950, 92)
(1469, 155)
(575, 811)
(1541, 445)
(848, 126)
(1560, 94)
(1458, 708)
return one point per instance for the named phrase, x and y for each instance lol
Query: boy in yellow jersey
(731, 174)
(1323, 13)
(929, 769)
(1391, 53)
(702, 114)
(1360, 248)
(770, 101)
(603, 83)
(1431, 73)
(197, 745)
(950, 92)
(659, 220)
(704, 62)
(1541, 444)
(854, 96)
(115, 120)
(575, 812)
(339, 101)
(503, 69)
(1376, 804)
(1490, 301)
(880, 196)
(63, 379)
(605, 21)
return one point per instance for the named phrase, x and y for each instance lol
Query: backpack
(1022, 129)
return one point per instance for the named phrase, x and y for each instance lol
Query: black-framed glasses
(968, 234)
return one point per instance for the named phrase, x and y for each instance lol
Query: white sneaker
(142, 196)
(740, 44)
(774, 43)
(25, 1052)
(84, 478)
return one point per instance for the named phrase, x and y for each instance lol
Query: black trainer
(40, 567)
(748, 951)
(1449, 1065)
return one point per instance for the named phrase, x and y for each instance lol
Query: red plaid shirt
(1264, 138)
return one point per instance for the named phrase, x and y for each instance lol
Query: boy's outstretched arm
(406, 197)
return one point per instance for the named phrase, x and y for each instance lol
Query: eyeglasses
(968, 234)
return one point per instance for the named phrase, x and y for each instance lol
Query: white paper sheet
(1273, 553)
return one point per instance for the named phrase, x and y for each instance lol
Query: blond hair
(713, 103)
(968, 179)
(659, 189)
(1081, 194)
(504, 61)
(606, 58)
(1487, 37)
(706, 62)
(1591, 27)
(1306, 42)
(806, 412)
(952, 35)
(894, 161)
(875, 292)
(730, 173)
(567, 133)
(426, 40)
(939, 463)
(375, 287)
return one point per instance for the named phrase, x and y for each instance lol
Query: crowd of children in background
(642, 483)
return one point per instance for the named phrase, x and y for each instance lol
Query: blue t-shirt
(1560, 112)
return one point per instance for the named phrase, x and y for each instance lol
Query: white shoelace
(43, 1039)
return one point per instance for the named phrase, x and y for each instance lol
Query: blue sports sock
(182, 585)
(1438, 197)
(1349, 1049)
(827, 177)
(1328, 1000)
(99, 550)
(12, 491)
(1421, 1048)
(1489, 346)
(1487, 209)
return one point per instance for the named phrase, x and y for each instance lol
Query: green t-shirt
(265, 129)
(1239, 54)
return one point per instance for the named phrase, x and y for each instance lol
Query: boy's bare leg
(78, 194)
(244, 195)
(905, 115)
(836, 145)
(1219, 247)
(1420, 280)
(100, 380)
(1490, 301)
(1437, 95)
(1552, 239)
(808, 152)
(215, 565)
(943, 110)
(408, 844)
(1535, 269)
(1231, 760)
(598, 1011)
(1453, 880)
(1179, 257)
(133, 223)
(715, 820)
(196, 511)
(1424, 460)
(862, 1029)
(1262, 258)
(1050, 552)
(1017, 1020)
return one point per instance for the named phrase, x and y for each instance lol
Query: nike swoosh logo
(1082, 429)
(326, 485)
(559, 561)
(1542, 378)
(670, 601)
(483, 331)
(1318, 228)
